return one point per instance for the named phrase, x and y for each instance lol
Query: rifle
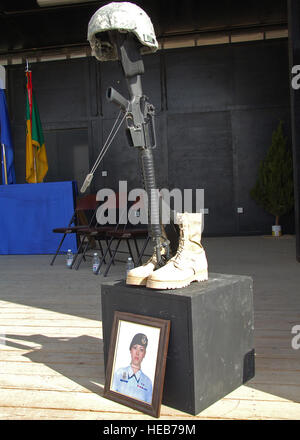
(140, 123)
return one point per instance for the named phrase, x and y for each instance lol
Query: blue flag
(7, 154)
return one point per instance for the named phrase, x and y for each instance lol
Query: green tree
(273, 189)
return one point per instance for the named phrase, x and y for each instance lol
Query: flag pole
(2, 86)
(33, 148)
(4, 164)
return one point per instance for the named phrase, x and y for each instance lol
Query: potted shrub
(273, 189)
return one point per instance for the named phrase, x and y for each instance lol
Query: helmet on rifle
(123, 17)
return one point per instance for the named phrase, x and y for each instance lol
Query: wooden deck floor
(51, 357)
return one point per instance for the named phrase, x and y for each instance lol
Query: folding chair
(85, 208)
(128, 234)
(98, 232)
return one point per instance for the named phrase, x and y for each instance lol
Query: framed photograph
(136, 361)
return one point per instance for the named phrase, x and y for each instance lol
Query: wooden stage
(51, 356)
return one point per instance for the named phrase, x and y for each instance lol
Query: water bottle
(69, 258)
(96, 262)
(129, 265)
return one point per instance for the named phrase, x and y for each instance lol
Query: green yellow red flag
(36, 157)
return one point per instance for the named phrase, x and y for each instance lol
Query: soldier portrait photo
(133, 376)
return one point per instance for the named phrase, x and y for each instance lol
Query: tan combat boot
(189, 264)
(138, 276)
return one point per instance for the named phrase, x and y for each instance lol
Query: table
(29, 213)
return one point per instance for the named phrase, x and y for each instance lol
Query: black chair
(97, 233)
(127, 233)
(82, 219)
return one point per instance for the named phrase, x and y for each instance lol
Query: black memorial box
(210, 349)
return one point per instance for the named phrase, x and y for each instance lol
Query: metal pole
(4, 164)
(33, 148)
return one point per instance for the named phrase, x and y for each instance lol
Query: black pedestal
(211, 339)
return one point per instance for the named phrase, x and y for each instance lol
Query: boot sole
(136, 281)
(155, 284)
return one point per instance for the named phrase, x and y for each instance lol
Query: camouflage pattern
(123, 17)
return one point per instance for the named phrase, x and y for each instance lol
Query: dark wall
(294, 58)
(216, 108)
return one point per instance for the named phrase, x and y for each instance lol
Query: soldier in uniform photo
(130, 380)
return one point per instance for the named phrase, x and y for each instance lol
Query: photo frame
(136, 361)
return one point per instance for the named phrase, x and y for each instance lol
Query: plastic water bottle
(129, 265)
(69, 258)
(96, 262)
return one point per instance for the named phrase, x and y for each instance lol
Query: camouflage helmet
(123, 17)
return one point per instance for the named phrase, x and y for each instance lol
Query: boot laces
(179, 254)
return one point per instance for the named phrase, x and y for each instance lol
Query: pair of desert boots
(187, 262)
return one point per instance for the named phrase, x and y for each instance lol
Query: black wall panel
(68, 154)
(261, 74)
(121, 161)
(62, 90)
(200, 157)
(216, 108)
(198, 78)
